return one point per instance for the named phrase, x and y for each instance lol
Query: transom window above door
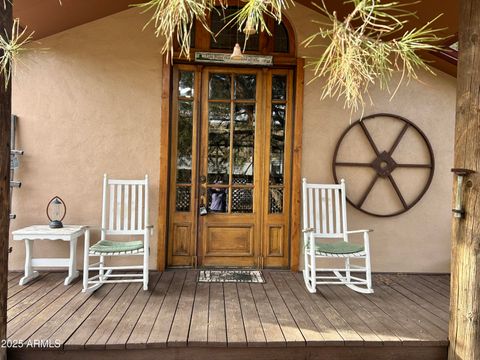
(281, 42)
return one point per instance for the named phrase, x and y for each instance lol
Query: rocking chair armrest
(359, 231)
(308, 230)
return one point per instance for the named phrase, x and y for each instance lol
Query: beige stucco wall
(91, 104)
(418, 240)
(88, 105)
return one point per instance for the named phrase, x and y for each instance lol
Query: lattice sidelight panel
(182, 202)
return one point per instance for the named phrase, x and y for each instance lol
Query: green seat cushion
(340, 247)
(108, 246)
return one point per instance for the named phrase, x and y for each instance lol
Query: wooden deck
(407, 317)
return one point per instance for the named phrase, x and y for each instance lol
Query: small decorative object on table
(56, 211)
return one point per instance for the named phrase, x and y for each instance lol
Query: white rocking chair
(127, 209)
(325, 217)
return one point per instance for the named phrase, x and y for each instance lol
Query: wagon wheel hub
(384, 164)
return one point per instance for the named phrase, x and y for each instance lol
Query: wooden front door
(231, 155)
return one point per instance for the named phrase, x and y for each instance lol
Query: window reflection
(228, 36)
(277, 141)
(279, 87)
(231, 142)
(219, 87)
(245, 87)
(218, 199)
(243, 143)
(185, 84)
(218, 142)
(280, 38)
(184, 142)
(277, 144)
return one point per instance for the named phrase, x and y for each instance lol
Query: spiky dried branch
(11, 47)
(173, 19)
(358, 57)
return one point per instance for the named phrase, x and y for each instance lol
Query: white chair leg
(313, 265)
(101, 271)
(86, 259)
(368, 264)
(145, 269)
(347, 269)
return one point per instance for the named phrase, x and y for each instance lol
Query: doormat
(229, 276)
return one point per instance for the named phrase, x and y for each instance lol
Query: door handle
(203, 209)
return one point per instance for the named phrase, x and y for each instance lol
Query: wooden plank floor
(407, 313)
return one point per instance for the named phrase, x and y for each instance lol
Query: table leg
(30, 274)
(72, 267)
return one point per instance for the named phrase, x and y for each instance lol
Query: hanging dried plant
(175, 18)
(11, 47)
(253, 14)
(358, 57)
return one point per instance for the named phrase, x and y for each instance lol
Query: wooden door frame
(164, 181)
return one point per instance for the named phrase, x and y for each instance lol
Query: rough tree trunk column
(5, 113)
(464, 332)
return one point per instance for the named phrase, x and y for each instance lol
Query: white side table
(43, 232)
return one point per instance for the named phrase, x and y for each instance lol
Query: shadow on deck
(406, 318)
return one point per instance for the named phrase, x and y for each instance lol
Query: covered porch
(406, 317)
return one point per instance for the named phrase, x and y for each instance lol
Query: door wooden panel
(231, 155)
(182, 239)
(229, 240)
(275, 240)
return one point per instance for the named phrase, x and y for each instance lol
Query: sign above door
(224, 58)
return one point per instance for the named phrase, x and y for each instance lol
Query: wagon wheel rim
(384, 164)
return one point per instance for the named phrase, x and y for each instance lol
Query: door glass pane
(243, 143)
(219, 87)
(218, 200)
(245, 87)
(184, 142)
(228, 36)
(218, 143)
(279, 87)
(277, 147)
(275, 201)
(242, 201)
(280, 36)
(185, 84)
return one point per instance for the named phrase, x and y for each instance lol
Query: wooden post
(5, 113)
(464, 332)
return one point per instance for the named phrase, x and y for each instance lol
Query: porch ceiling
(47, 17)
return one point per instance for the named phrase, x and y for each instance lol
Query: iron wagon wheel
(384, 164)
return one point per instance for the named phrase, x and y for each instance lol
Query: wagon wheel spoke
(344, 163)
(369, 137)
(397, 190)
(367, 191)
(421, 166)
(398, 139)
